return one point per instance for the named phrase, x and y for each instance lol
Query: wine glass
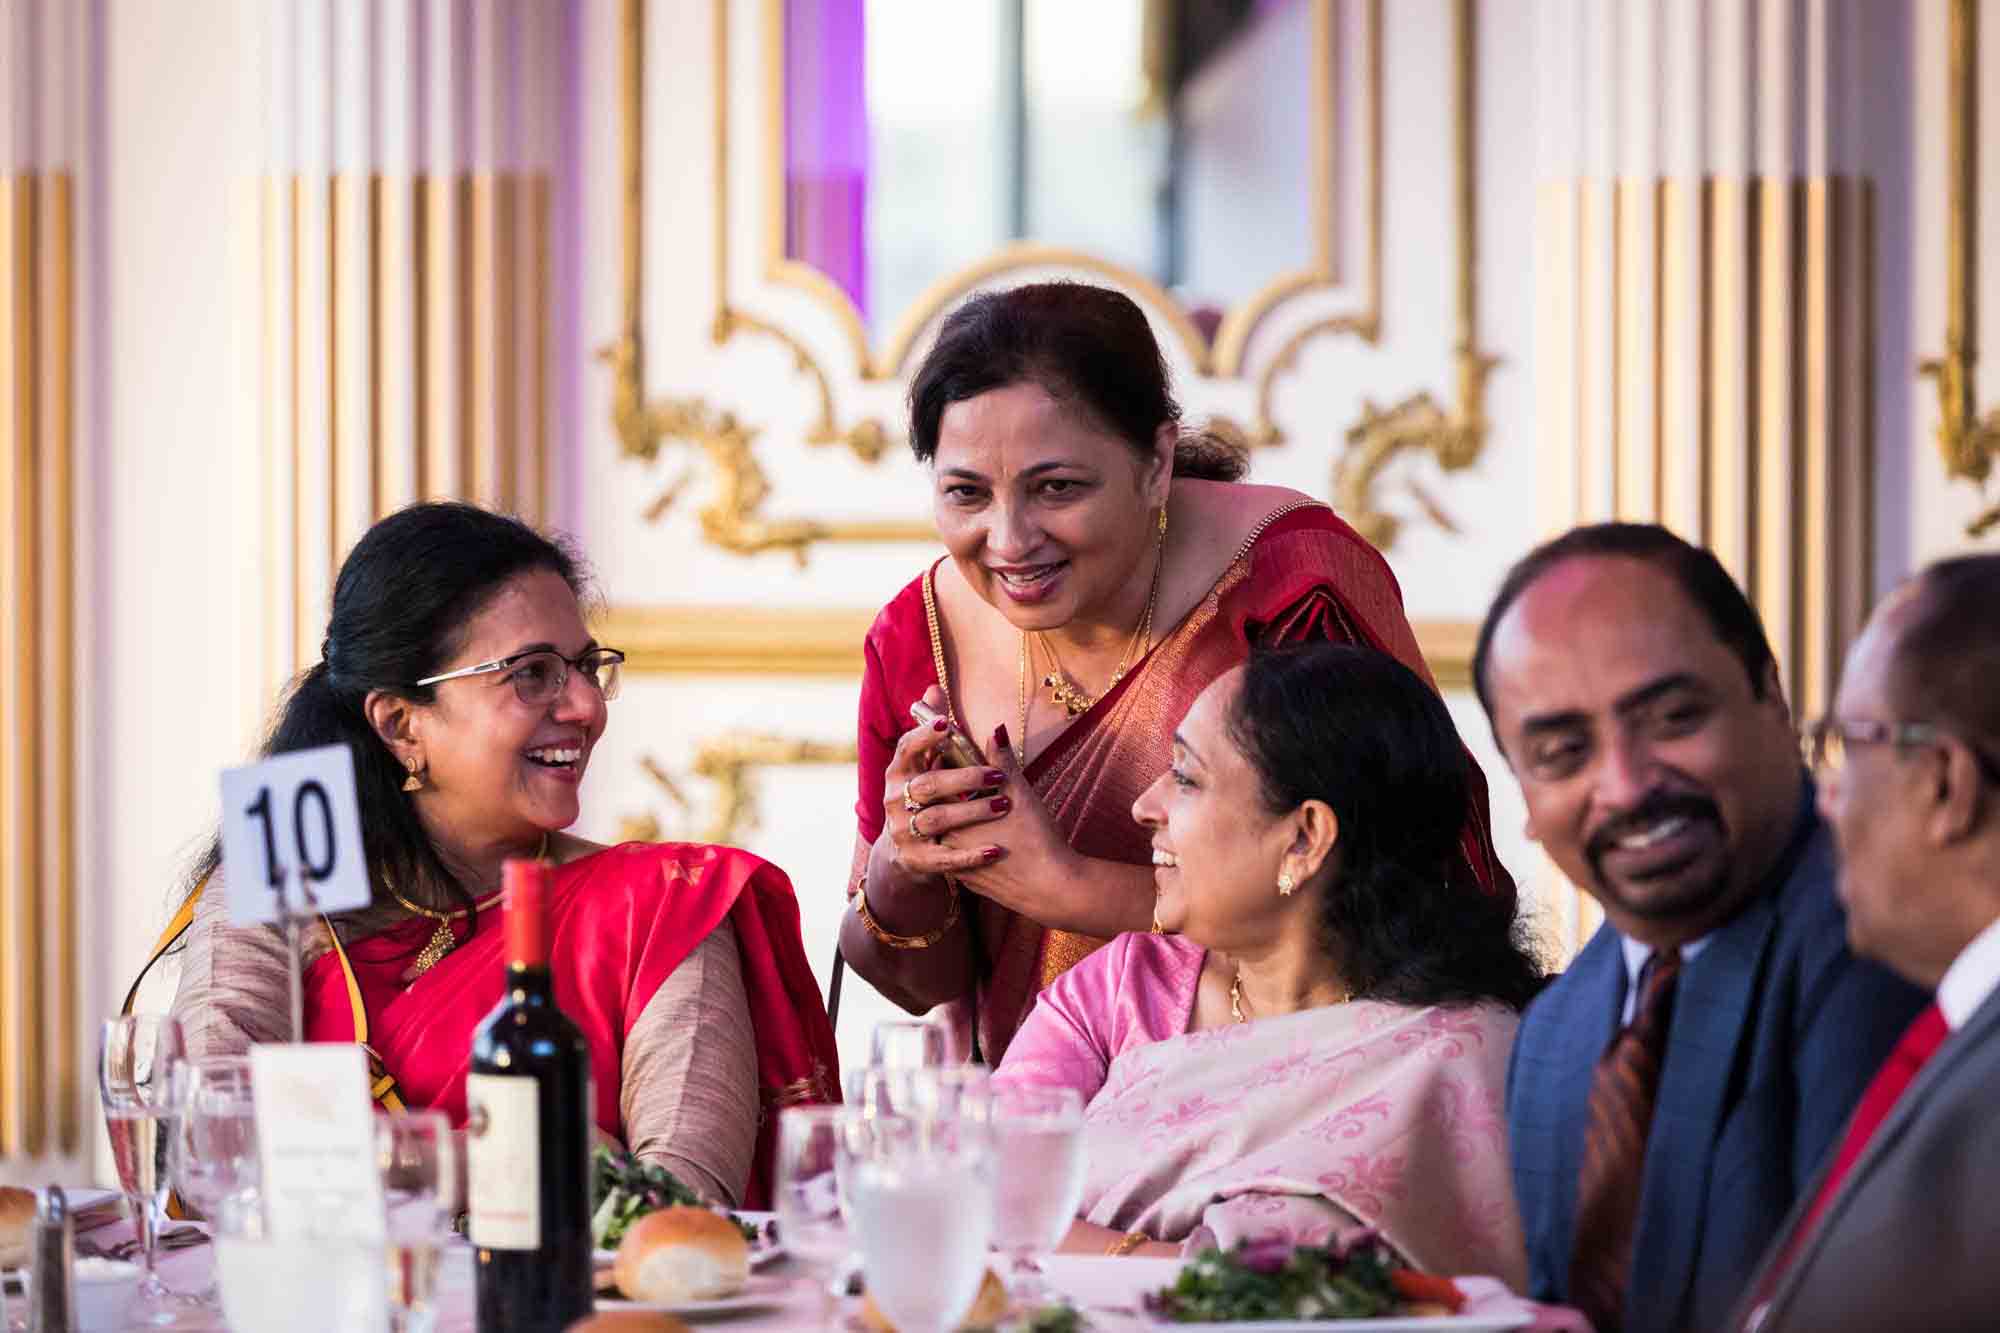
(906, 1043)
(920, 1197)
(956, 1090)
(1038, 1133)
(135, 1074)
(419, 1190)
(812, 1143)
(212, 1144)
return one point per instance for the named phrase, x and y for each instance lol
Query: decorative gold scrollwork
(868, 438)
(731, 762)
(1968, 441)
(1454, 436)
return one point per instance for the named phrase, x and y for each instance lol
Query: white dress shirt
(1637, 955)
(1972, 977)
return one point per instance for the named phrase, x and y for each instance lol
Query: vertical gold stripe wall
(39, 1091)
(1718, 381)
(404, 355)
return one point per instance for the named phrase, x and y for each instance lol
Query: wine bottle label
(503, 1161)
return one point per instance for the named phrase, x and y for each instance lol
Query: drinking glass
(953, 1091)
(813, 1141)
(1038, 1133)
(419, 1191)
(906, 1043)
(135, 1074)
(326, 1277)
(920, 1196)
(212, 1144)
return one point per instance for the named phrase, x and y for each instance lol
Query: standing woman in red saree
(459, 669)
(1101, 570)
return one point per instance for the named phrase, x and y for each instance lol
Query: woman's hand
(1037, 873)
(922, 805)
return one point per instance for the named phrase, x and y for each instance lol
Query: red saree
(621, 920)
(1303, 575)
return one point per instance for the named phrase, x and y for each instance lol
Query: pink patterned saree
(1366, 1113)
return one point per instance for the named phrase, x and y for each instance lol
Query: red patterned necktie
(1614, 1148)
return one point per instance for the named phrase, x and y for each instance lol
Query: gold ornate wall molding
(40, 1086)
(1223, 359)
(1453, 435)
(732, 763)
(754, 640)
(1969, 442)
(733, 518)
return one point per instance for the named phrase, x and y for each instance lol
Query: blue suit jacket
(1776, 1031)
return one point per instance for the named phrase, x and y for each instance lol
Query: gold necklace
(1066, 692)
(1236, 996)
(443, 940)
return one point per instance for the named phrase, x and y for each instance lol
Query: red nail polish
(990, 854)
(993, 777)
(1001, 805)
(940, 725)
(1001, 735)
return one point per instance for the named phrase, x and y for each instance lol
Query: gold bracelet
(1126, 1243)
(895, 941)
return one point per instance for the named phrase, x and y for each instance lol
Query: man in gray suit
(1900, 1231)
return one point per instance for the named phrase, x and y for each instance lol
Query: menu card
(316, 1139)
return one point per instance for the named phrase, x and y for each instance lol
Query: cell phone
(957, 751)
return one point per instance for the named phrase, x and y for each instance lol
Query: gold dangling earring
(1163, 522)
(415, 781)
(1286, 884)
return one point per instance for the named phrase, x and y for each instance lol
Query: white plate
(1093, 1281)
(760, 1253)
(759, 1292)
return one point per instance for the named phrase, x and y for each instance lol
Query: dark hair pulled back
(1087, 347)
(401, 604)
(1360, 731)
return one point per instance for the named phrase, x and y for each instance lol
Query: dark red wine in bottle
(527, 1106)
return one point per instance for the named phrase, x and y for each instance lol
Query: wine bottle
(527, 1104)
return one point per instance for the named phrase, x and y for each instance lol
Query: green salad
(1276, 1280)
(624, 1189)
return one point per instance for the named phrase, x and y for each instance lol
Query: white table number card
(294, 816)
(316, 1139)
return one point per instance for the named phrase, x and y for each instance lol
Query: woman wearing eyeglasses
(459, 669)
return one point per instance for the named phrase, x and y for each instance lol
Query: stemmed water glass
(137, 1055)
(1038, 1133)
(212, 1148)
(813, 1142)
(922, 1186)
(906, 1043)
(415, 1151)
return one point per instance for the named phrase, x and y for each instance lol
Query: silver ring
(911, 803)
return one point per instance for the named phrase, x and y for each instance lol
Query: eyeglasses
(1824, 743)
(539, 676)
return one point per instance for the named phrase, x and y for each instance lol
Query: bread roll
(682, 1254)
(987, 1308)
(17, 1220)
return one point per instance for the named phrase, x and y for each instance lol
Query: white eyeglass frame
(615, 658)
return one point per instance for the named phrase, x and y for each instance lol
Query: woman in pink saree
(1318, 1037)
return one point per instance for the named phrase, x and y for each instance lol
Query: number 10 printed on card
(291, 836)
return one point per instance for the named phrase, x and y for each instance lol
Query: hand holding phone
(957, 751)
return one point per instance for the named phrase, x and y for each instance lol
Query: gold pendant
(442, 942)
(1064, 692)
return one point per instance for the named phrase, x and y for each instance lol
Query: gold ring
(912, 826)
(911, 803)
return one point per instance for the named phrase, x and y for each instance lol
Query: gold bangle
(1126, 1243)
(895, 941)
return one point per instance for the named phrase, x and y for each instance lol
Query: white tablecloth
(1092, 1283)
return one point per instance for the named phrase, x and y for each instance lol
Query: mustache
(1657, 806)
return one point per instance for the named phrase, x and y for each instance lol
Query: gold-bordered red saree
(1303, 575)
